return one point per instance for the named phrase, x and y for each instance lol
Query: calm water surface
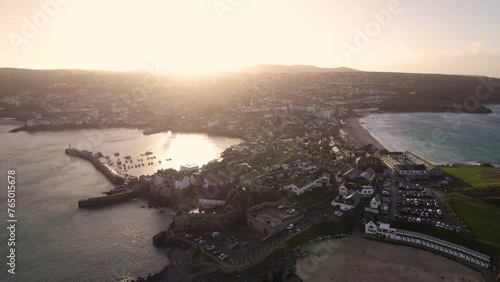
(55, 240)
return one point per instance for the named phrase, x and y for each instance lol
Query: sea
(57, 241)
(442, 138)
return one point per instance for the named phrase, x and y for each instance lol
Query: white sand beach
(358, 259)
(359, 134)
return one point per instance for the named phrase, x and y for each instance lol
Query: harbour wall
(111, 199)
(107, 171)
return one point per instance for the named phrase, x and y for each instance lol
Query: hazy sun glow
(180, 35)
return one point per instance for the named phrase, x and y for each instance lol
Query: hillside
(292, 69)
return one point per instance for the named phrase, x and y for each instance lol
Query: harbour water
(56, 241)
(442, 138)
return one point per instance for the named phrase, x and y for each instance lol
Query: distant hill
(292, 69)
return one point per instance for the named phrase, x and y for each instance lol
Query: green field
(465, 176)
(482, 218)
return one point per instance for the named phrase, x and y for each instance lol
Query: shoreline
(359, 134)
(145, 131)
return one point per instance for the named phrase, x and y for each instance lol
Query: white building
(304, 185)
(350, 202)
(375, 202)
(183, 183)
(366, 191)
(343, 191)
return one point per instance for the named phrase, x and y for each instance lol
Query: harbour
(52, 183)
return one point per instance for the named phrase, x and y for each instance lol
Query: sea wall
(205, 222)
(107, 171)
(107, 200)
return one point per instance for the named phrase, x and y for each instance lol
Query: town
(300, 165)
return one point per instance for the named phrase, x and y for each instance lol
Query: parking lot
(417, 203)
(243, 244)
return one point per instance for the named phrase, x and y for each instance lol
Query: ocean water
(56, 241)
(442, 138)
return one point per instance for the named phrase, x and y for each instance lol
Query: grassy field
(482, 218)
(465, 176)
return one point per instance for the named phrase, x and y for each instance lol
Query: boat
(117, 154)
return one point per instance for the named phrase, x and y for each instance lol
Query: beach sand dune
(360, 260)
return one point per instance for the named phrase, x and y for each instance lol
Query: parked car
(215, 234)
(281, 206)
(198, 239)
(234, 245)
(201, 242)
(188, 236)
(290, 226)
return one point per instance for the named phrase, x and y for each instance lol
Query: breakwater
(112, 199)
(113, 176)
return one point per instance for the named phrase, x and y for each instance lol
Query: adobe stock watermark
(47, 10)
(320, 253)
(484, 89)
(222, 7)
(372, 29)
(93, 138)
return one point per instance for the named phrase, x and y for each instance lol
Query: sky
(447, 36)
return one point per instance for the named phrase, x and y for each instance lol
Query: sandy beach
(358, 259)
(359, 134)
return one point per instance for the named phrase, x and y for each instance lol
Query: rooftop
(270, 215)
